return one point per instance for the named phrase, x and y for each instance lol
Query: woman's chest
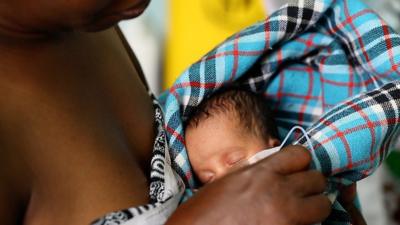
(92, 156)
(84, 136)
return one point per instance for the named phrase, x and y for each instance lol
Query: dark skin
(77, 128)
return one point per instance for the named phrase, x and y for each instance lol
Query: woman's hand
(279, 190)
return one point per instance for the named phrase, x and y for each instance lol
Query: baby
(227, 129)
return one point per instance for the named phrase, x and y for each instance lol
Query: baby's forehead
(244, 108)
(235, 103)
(220, 111)
(227, 101)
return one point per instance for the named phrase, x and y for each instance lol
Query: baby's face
(219, 145)
(48, 15)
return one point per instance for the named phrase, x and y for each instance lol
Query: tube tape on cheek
(263, 154)
(270, 151)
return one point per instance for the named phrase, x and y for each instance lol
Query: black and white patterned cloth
(166, 187)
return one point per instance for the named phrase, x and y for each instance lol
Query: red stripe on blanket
(241, 53)
(389, 46)
(197, 84)
(370, 124)
(175, 134)
(235, 57)
(309, 96)
(345, 143)
(390, 121)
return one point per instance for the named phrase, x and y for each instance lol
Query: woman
(77, 129)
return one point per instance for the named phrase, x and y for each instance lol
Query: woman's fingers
(314, 209)
(307, 183)
(306, 186)
(289, 160)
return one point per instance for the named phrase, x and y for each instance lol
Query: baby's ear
(273, 142)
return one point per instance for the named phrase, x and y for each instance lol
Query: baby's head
(227, 129)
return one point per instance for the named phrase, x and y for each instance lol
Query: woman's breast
(89, 158)
(88, 143)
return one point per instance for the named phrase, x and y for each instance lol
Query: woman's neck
(46, 52)
(20, 53)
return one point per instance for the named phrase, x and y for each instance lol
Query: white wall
(146, 35)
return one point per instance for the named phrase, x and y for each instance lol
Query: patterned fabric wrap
(310, 59)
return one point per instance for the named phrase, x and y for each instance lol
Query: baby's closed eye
(234, 158)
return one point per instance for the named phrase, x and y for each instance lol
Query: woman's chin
(111, 20)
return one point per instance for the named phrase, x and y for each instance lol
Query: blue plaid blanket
(328, 65)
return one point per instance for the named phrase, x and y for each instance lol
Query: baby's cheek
(243, 162)
(238, 165)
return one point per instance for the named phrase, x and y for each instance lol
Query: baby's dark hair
(251, 109)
